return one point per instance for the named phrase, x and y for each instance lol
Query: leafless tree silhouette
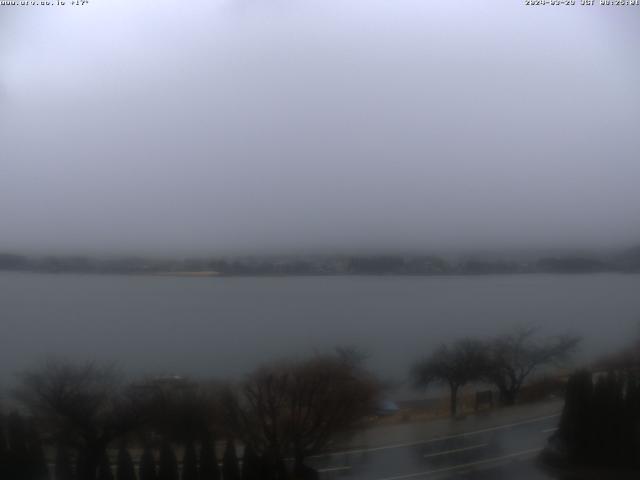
(453, 365)
(86, 405)
(301, 407)
(513, 357)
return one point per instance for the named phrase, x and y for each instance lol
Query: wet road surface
(506, 451)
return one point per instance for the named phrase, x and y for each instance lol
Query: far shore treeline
(627, 260)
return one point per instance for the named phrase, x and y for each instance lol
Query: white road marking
(464, 465)
(437, 439)
(333, 469)
(456, 450)
(549, 430)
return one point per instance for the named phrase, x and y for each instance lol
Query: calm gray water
(224, 326)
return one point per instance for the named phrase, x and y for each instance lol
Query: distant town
(624, 261)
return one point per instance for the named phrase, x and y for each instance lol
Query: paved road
(502, 451)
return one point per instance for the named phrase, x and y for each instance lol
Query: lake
(223, 327)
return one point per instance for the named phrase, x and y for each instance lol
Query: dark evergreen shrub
(147, 470)
(631, 428)
(575, 424)
(190, 463)
(82, 467)
(251, 465)
(38, 469)
(18, 463)
(104, 468)
(4, 451)
(272, 467)
(209, 469)
(125, 470)
(168, 465)
(230, 469)
(600, 424)
(63, 469)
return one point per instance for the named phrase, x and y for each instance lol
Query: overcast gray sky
(234, 125)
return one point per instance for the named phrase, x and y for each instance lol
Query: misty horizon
(452, 254)
(275, 127)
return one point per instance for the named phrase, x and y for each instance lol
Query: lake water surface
(225, 326)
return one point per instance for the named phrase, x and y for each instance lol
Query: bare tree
(453, 365)
(86, 405)
(181, 409)
(300, 408)
(514, 356)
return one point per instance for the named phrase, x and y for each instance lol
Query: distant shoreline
(314, 275)
(626, 261)
(186, 274)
